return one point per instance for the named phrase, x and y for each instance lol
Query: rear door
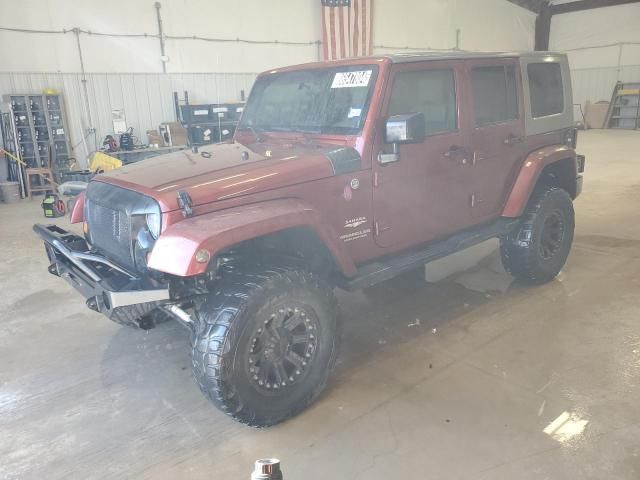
(497, 132)
(425, 193)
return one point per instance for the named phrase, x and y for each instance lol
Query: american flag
(346, 28)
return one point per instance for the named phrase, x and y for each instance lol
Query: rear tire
(538, 248)
(264, 343)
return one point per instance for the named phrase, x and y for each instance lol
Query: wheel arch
(77, 212)
(293, 223)
(300, 244)
(554, 165)
(562, 174)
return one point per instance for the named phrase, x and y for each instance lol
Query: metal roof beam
(531, 5)
(586, 5)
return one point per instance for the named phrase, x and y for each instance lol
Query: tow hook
(95, 303)
(53, 269)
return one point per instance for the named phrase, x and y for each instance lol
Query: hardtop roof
(423, 56)
(458, 54)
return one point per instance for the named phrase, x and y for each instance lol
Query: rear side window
(545, 87)
(495, 95)
(430, 92)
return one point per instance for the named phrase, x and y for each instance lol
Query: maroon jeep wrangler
(340, 174)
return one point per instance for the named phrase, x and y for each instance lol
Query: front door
(425, 193)
(497, 129)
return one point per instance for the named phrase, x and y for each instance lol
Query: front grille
(111, 232)
(109, 212)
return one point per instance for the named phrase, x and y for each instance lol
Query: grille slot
(113, 214)
(110, 231)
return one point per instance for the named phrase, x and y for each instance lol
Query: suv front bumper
(108, 288)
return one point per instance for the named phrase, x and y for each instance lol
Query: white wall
(125, 72)
(282, 20)
(603, 45)
(485, 25)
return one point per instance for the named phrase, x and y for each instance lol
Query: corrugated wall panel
(630, 73)
(146, 98)
(595, 84)
(100, 102)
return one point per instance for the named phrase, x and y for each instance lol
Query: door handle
(512, 139)
(454, 151)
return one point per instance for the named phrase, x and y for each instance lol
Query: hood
(223, 171)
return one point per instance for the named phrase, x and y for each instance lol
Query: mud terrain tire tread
(520, 249)
(221, 322)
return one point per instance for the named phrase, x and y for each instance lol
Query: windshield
(331, 100)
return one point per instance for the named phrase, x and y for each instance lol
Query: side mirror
(406, 128)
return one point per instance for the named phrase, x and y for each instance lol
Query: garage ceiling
(565, 6)
(533, 5)
(545, 9)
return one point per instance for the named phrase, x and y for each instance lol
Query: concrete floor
(434, 381)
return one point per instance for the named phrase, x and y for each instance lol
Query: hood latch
(185, 203)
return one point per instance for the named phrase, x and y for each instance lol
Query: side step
(380, 270)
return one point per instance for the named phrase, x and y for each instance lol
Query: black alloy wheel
(282, 348)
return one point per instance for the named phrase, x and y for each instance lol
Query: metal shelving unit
(40, 126)
(14, 171)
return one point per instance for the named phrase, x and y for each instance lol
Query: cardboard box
(595, 114)
(173, 134)
(154, 138)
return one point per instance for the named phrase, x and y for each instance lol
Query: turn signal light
(203, 256)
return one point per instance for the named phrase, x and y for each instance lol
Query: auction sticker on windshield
(351, 79)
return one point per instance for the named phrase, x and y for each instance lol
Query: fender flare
(529, 173)
(77, 213)
(175, 250)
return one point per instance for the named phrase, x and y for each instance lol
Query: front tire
(264, 343)
(538, 248)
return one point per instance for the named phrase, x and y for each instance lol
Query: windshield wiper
(270, 128)
(254, 131)
(307, 130)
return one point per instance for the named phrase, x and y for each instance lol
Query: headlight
(153, 224)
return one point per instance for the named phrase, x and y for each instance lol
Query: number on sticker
(351, 79)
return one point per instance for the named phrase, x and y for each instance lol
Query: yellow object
(50, 91)
(101, 162)
(629, 91)
(2, 150)
(44, 173)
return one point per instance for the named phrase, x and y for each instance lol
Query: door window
(495, 95)
(430, 92)
(545, 87)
